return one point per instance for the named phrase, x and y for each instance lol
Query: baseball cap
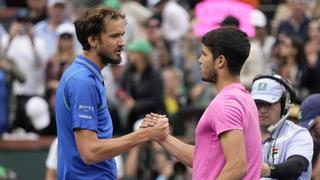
(309, 110)
(65, 28)
(258, 18)
(141, 46)
(268, 90)
(37, 110)
(51, 3)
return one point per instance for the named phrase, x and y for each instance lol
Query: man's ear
(92, 40)
(221, 61)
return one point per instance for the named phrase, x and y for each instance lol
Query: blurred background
(38, 42)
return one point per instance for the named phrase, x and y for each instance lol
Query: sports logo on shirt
(85, 116)
(86, 108)
(85, 111)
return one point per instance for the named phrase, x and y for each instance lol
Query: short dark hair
(91, 23)
(232, 43)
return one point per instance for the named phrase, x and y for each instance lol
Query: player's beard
(107, 59)
(212, 77)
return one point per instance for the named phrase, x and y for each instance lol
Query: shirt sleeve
(228, 116)
(84, 98)
(301, 144)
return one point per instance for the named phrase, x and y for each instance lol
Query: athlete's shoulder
(77, 72)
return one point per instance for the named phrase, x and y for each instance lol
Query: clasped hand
(158, 124)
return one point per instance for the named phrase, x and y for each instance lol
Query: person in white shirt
(28, 51)
(287, 148)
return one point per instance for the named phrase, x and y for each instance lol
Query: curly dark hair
(91, 23)
(232, 43)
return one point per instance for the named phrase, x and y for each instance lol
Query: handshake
(155, 127)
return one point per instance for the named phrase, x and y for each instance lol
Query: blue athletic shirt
(81, 103)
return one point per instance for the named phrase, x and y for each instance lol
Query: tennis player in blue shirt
(85, 144)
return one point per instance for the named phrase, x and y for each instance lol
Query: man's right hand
(150, 120)
(156, 126)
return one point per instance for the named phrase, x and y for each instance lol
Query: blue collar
(90, 65)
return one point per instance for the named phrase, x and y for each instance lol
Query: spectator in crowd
(57, 64)
(9, 72)
(142, 84)
(37, 10)
(288, 61)
(174, 27)
(310, 118)
(10, 8)
(175, 98)
(135, 15)
(287, 147)
(297, 23)
(264, 40)
(255, 63)
(160, 55)
(173, 90)
(311, 69)
(315, 9)
(191, 51)
(281, 13)
(28, 52)
(113, 76)
(47, 29)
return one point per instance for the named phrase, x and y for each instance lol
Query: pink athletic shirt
(233, 108)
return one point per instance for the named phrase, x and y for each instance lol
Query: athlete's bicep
(233, 147)
(85, 140)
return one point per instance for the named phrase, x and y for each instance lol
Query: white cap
(267, 90)
(51, 3)
(37, 110)
(66, 28)
(258, 18)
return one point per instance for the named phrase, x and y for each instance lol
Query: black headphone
(287, 97)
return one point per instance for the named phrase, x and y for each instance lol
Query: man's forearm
(180, 150)
(93, 150)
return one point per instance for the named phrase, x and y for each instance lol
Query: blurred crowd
(159, 72)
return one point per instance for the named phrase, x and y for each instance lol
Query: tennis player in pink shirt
(227, 143)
